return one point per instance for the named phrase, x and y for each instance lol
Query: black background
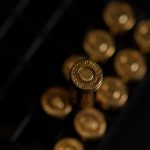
(35, 38)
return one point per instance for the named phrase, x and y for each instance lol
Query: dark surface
(35, 39)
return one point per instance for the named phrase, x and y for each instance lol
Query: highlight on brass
(99, 45)
(55, 102)
(112, 94)
(119, 16)
(68, 144)
(68, 63)
(130, 65)
(90, 124)
(86, 75)
(142, 36)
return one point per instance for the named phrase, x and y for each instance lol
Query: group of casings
(88, 87)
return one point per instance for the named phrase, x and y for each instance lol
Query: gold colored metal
(55, 102)
(112, 94)
(73, 95)
(86, 75)
(68, 144)
(90, 124)
(142, 36)
(99, 45)
(69, 62)
(130, 65)
(87, 100)
(119, 16)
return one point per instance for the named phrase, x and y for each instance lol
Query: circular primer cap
(130, 65)
(68, 144)
(90, 124)
(99, 45)
(55, 102)
(119, 16)
(112, 94)
(86, 75)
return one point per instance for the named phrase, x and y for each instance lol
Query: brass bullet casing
(142, 36)
(87, 76)
(119, 17)
(66, 69)
(68, 144)
(90, 124)
(99, 45)
(130, 65)
(55, 102)
(112, 94)
(68, 63)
